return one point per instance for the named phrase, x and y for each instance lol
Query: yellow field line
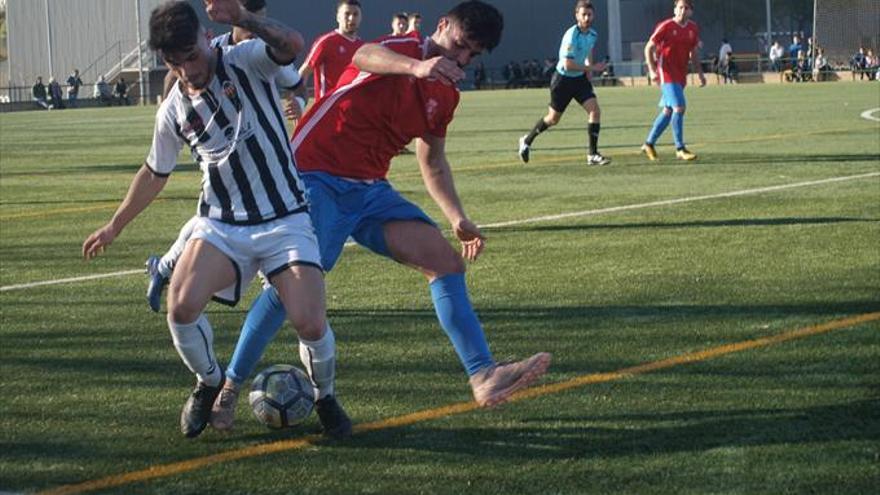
(166, 470)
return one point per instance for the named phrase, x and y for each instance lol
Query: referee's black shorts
(563, 89)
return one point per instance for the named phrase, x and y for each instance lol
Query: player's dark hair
(584, 4)
(174, 27)
(690, 3)
(254, 5)
(414, 15)
(400, 15)
(353, 3)
(482, 23)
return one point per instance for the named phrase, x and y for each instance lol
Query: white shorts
(269, 248)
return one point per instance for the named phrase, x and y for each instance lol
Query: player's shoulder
(405, 45)
(222, 41)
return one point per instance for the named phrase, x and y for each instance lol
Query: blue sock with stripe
(457, 317)
(678, 129)
(265, 317)
(660, 124)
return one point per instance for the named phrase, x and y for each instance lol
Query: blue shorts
(672, 95)
(342, 208)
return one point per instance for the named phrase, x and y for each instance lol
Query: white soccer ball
(282, 396)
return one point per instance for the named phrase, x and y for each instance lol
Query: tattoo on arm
(274, 33)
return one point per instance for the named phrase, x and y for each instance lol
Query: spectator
(801, 68)
(872, 64)
(73, 84)
(55, 94)
(399, 23)
(507, 74)
(776, 54)
(821, 67)
(724, 54)
(858, 63)
(479, 76)
(793, 51)
(549, 69)
(102, 92)
(120, 92)
(39, 92)
(731, 74)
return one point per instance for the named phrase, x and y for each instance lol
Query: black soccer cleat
(334, 421)
(197, 410)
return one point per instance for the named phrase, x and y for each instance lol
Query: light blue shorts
(672, 95)
(341, 208)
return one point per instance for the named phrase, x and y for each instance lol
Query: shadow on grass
(771, 159)
(734, 222)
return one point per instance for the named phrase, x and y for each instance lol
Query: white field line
(546, 218)
(869, 114)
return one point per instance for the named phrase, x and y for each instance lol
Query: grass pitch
(91, 387)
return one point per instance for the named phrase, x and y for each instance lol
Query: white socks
(195, 344)
(319, 358)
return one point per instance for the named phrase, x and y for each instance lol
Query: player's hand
(442, 68)
(98, 241)
(702, 80)
(293, 111)
(652, 74)
(472, 240)
(598, 67)
(224, 11)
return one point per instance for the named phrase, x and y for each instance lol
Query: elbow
(360, 57)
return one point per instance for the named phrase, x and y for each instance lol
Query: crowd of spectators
(50, 96)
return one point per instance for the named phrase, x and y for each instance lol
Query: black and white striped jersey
(288, 75)
(235, 130)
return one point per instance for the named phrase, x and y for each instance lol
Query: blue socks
(678, 129)
(264, 319)
(457, 317)
(660, 124)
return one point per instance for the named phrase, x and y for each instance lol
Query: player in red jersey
(332, 51)
(673, 46)
(399, 89)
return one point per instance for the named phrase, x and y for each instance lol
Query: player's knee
(449, 265)
(680, 110)
(309, 326)
(182, 309)
(551, 120)
(667, 111)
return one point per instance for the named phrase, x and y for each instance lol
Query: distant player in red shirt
(415, 25)
(673, 46)
(332, 51)
(399, 89)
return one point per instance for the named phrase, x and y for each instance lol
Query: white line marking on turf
(546, 218)
(869, 114)
(668, 202)
(69, 280)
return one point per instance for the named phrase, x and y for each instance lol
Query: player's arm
(437, 176)
(284, 42)
(695, 60)
(651, 59)
(377, 59)
(144, 188)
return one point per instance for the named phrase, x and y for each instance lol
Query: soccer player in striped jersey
(332, 52)
(253, 212)
(674, 45)
(398, 89)
(571, 81)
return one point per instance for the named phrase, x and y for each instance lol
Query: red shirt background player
(332, 51)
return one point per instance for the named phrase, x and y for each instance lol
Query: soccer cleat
(495, 384)
(197, 409)
(685, 154)
(334, 421)
(650, 152)
(598, 159)
(223, 411)
(157, 282)
(523, 150)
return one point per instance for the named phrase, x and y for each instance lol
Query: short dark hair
(174, 27)
(354, 3)
(482, 23)
(414, 15)
(254, 5)
(399, 15)
(586, 4)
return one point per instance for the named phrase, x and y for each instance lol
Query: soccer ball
(282, 396)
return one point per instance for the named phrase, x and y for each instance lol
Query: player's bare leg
(423, 247)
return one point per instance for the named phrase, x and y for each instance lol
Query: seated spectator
(120, 91)
(872, 63)
(731, 72)
(801, 68)
(858, 63)
(102, 92)
(776, 54)
(821, 67)
(39, 92)
(55, 98)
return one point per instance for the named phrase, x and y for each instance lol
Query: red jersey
(674, 45)
(368, 118)
(330, 55)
